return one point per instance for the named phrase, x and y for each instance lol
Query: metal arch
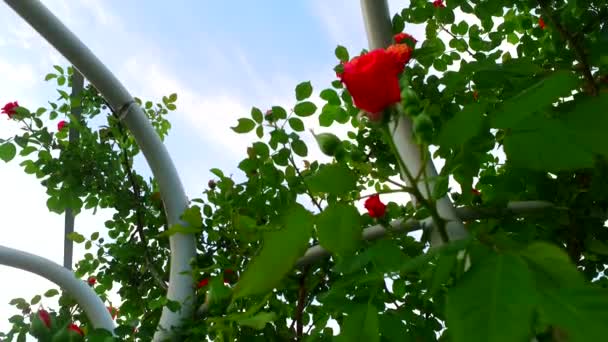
(83, 294)
(183, 246)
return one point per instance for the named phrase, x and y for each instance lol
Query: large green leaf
(361, 324)
(244, 125)
(339, 228)
(335, 179)
(463, 126)
(551, 265)
(532, 99)
(303, 90)
(565, 142)
(279, 253)
(581, 312)
(492, 302)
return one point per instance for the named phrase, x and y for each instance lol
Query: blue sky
(220, 57)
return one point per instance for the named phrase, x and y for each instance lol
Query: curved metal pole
(183, 247)
(379, 34)
(84, 295)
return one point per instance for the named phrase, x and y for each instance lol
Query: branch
(574, 45)
(312, 198)
(139, 215)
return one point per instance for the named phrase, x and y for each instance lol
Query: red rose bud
(372, 80)
(438, 4)
(404, 38)
(40, 325)
(401, 53)
(541, 23)
(113, 312)
(475, 95)
(9, 109)
(211, 184)
(61, 125)
(202, 283)
(74, 327)
(375, 207)
(475, 192)
(91, 281)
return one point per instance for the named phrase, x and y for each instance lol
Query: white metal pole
(84, 295)
(183, 246)
(379, 34)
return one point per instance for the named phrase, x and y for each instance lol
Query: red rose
(375, 207)
(438, 4)
(9, 109)
(75, 328)
(202, 283)
(400, 53)
(92, 281)
(61, 125)
(402, 38)
(372, 80)
(541, 23)
(45, 317)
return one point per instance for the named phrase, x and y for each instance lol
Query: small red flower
(91, 281)
(202, 283)
(75, 328)
(475, 192)
(401, 53)
(438, 4)
(372, 80)
(61, 125)
(375, 207)
(402, 38)
(475, 95)
(541, 23)
(45, 317)
(9, 109)
(113, 311)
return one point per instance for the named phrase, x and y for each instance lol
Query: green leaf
(61, 80)
(303, 90)
(278, 113)
(342, 53)
(173, 97)
(498, 291)
(257, 115)
(445, 264)
(361, 324)
(217, 172)
(581, 312)
(305, 108)
(463, 126)
(334, 179)
(339, 228)
(299, 147)
(280, 250)
(8, 151)
(261, 150)
(398, 24)
(441, 187)
(259, 131)
(296, 124)
(59, 69)
(35, 300)
(331, 96)
(51, 293)
(49, 76)
(245, 125)
(76, 237)
(532, 99)
(551, 265)
(258, 321)
(192, 216)
(545, 143)
(393, 329)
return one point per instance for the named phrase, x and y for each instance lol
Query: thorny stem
(139, 215)
(439, 222)
(574, 45)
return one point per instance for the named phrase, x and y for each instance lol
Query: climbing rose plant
(527, 78)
